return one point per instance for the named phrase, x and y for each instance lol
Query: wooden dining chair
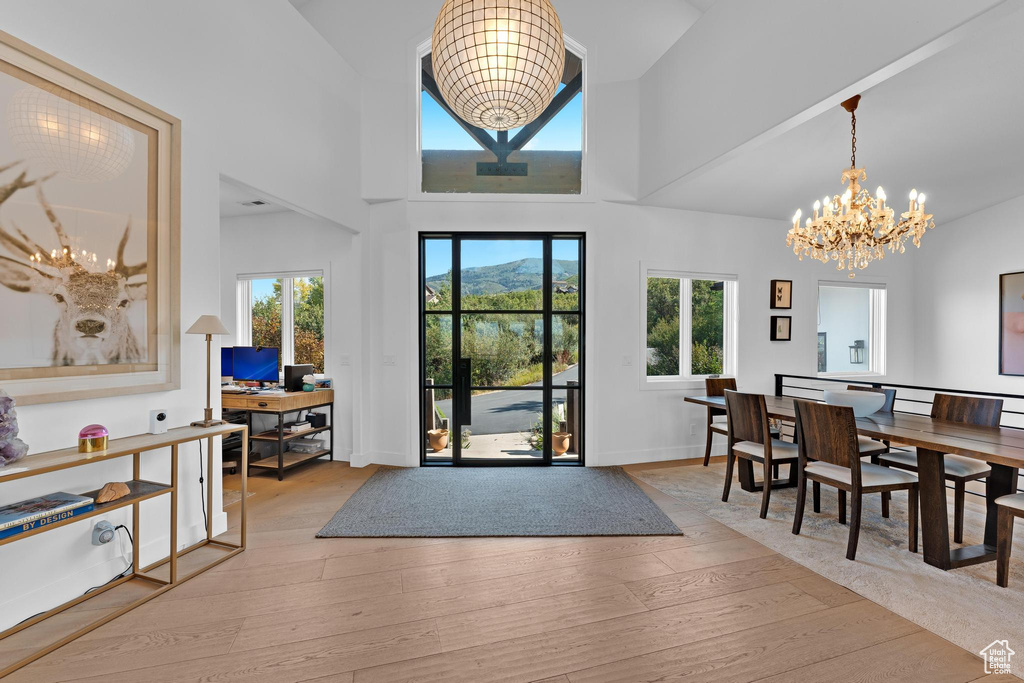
(1008, 508)
(971, 410)
(750, 438)
(716, 386)
(828, 454)
(867, 445)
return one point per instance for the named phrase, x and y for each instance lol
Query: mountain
(521, 275)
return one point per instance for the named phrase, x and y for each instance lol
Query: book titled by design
(43, 511)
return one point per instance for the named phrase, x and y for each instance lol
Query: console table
(35, 637)
(280, 403)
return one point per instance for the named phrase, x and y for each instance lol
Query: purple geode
(11, 447)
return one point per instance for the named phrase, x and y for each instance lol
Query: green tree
(308, 321)
(663, 326)
(708, 327)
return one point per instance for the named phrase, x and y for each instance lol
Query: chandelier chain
(853, 143)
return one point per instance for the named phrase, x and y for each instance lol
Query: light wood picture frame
(782, 294)
(782, 328)
(1011, 324)
(89, 234)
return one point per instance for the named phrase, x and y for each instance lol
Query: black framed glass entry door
(501, 348)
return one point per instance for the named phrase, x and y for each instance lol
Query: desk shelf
(271, 435)
(290, 459)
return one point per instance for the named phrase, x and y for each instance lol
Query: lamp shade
(498, 63)
(207, 324)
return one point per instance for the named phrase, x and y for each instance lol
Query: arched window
(544, 157)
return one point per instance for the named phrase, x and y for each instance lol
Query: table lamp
(208, 325)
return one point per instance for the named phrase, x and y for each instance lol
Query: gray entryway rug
(499, 501)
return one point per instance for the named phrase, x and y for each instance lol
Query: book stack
(35, 513)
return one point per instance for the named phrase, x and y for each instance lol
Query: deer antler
(54, 221)
(25, 246)
(121, 268)
(18, 183)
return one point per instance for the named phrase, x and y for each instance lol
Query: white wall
(286, 242)
(263, 99)
(624, 423)
(957, 293)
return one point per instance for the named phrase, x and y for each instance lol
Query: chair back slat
(716, 386)
(973, 410)
(748, 416)
(827, 433)
(890, 395)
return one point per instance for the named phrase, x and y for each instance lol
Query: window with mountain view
(543, 157)
(689, 327)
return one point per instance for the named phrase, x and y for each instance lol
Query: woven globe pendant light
(66, 132)
(498, 63)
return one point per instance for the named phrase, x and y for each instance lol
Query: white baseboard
(632, 457)
(382, 458)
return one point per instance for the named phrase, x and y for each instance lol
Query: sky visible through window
(262, 288)
(563, 132)
(477, 253)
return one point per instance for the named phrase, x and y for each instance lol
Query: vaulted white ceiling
(622, 39)
(949, 125)
(744, 119)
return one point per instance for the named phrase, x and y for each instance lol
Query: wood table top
(1002, 445)
(64, 458)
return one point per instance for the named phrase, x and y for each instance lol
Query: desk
(1002, 448)
(280, 403)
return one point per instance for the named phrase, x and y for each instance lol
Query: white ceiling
(231, 199)
(623, 40)
(949, 126)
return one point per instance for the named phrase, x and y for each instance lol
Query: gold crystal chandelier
(854, 229)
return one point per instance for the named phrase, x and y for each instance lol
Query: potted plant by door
(560, 442)
(438, 439)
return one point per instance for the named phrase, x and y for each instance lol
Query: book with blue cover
(42, 511)
(48, 520)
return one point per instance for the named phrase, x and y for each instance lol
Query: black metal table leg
(280, 446)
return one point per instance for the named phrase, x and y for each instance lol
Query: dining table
(1001, 447)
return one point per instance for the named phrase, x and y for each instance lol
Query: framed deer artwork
(89, 234)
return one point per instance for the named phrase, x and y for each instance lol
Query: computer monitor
(255, 364)
(227, 361)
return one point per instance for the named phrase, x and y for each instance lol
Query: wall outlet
(693, 429)
(389, 360)
(345, 360)
(103, 532)
(627, 361)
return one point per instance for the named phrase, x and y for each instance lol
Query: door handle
(465, 394)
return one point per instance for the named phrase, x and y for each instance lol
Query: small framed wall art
(782, 328)
(782, 294)
(1011, 324)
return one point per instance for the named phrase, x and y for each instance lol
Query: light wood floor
(708, 606)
